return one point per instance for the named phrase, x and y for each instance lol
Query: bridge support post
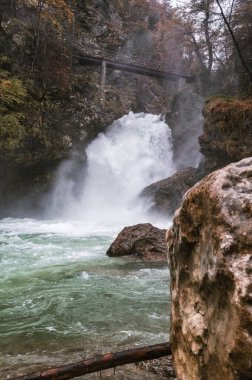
(181, 84)
(103, 83)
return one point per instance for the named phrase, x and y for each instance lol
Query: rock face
(143, 240)
(63, 121)
(210, 255)
(227, 131)
(167, 193)
(226, 138)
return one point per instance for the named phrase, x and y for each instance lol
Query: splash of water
(134, 152)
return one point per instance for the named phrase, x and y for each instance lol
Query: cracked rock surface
(210, 257)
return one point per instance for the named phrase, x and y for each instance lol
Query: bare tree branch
(231, 11)
(234, 41)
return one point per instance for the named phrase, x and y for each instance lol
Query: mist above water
(134, 152)
(61, 294)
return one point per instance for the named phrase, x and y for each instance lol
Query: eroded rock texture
(142, 240)
(210, 254)
(227, 131)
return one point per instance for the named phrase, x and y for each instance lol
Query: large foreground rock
(210, 254)
(143, 240)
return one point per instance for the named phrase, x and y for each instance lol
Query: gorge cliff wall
(226, 138)
(45, 122)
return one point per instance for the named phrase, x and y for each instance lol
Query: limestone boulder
(142, 240)
(210, 258)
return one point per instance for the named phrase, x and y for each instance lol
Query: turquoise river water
(61, 297)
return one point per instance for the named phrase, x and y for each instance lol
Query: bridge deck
(120, 61)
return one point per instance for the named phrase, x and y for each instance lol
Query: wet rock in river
(142, 240)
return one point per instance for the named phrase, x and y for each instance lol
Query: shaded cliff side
(50, 105)
(227, 132)
(227, 137)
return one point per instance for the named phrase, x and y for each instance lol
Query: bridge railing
(120, 57)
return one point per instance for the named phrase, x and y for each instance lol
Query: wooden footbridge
(115, 59)
(87, 54)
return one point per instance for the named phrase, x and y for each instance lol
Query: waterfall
(61, 294)
(134, 152)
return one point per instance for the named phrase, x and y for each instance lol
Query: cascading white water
(135, 151)
(61, 294)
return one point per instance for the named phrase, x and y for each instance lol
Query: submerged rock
(143, 240)
(210, 254)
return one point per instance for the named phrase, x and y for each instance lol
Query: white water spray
(134, 152)
(55, 274)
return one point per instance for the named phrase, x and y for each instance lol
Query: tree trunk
(207, 37)
(101, 362)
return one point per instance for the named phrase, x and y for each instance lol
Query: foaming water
(61, 297)
(134, 152)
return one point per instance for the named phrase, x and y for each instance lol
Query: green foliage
(12, 91)
(19, 112)
(12, 97)
(11, 131)
(4, 60)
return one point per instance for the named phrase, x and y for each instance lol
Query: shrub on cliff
(12, 97)
(20, 113)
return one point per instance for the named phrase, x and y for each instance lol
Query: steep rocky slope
(210, 255)
(227, 133)
(227, 137)
(42, 126)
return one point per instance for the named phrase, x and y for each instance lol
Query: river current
(61, 297)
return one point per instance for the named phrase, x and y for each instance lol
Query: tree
(227, 20)
(201, 28)
(218, 36)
